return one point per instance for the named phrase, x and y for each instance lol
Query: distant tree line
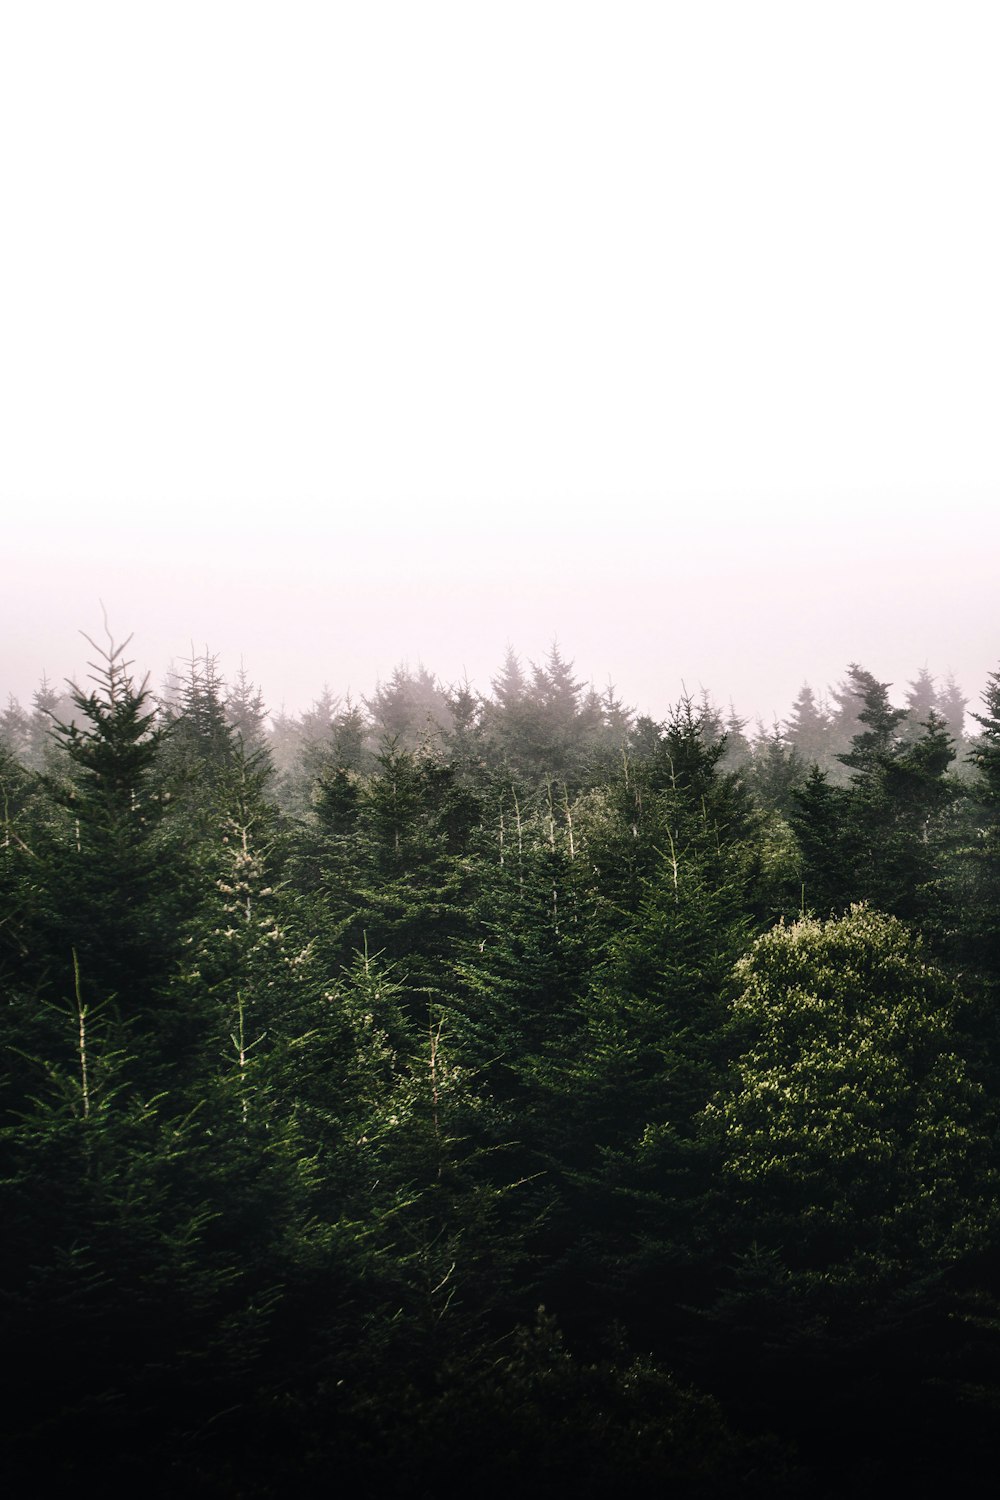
(450, 1091)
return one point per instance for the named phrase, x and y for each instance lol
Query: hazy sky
(339, 334)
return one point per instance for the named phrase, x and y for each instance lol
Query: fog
(334, 337)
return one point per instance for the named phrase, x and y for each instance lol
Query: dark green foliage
(524, 963)
(548, 727)
(777, 771)
(202, 735)
(330, 1049)
(882, 837)
(974, 876)
(532, 1417)
(818, 821)
(111, 881)
(123, 1322)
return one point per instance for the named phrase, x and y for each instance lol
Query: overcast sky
(335, 335)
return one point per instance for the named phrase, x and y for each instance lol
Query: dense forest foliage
(451, 1092)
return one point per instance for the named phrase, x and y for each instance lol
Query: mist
(671, 337)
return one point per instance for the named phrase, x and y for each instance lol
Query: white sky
(341, 334)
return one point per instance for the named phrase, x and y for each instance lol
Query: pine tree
(895, 804)
(301, 752)
(808, 730)
(113, 883)
(921, 701)
(877, 736)
(776, 771)
(14, 729)
(818, 819)
(392, 869)
(975, 876)
(246, 713)
(951, 705)
(522, 967)
(411, 708)
(127, 1320)
(884, 837)
(650, 1046)
(465, 742)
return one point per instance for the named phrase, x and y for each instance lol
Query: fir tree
(808, 729)
(246, 713)
(113, 881)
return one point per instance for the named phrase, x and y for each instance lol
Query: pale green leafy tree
(854, 1141)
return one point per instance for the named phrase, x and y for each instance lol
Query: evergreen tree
(411, 708)
(465, 742)
(14, 729)
(776, 771)
(112, 881)
(336, 793)
(921, 701)
(975, 874)
(827, 875)
(808, 729)
(124, 1322)
(508, 714)
(877, 737)
(653, 1018)
(246, 713)
(392, 868)
(16, 878)
(951, 705)
(884, 837)
(522, 967)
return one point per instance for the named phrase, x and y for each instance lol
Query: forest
(487, 1092)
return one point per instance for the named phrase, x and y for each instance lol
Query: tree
(976, 872)
(112, 883)
(246, 713)
(808, 729)
(14, 729)
(389, 861)
(818, 821)
(896, 795)
(879, 737)
(465, 742)
(198, 749)
(856, 1172)
(545, 728)
(776, 771)
(951, 705)
(883, 837)
(921, 701)
(411, 708)
(739, 754)
(301, 750)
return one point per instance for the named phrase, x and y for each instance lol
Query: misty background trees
(450, 1089)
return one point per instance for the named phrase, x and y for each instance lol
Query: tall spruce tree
(808, 728)
(113, 883)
